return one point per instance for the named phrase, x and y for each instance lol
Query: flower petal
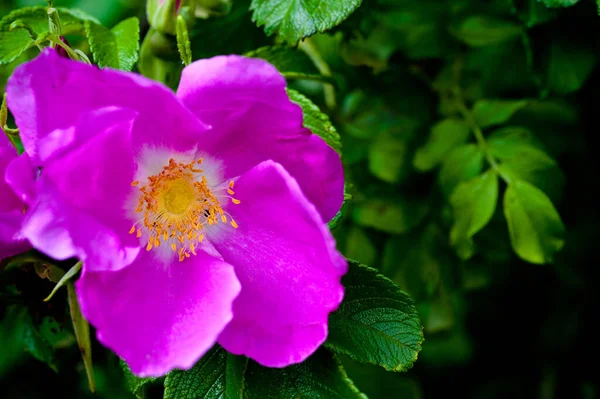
(286, 261)
(11, 207)
(81, 195)
(50, 92)
(245, 101)
(158, 318)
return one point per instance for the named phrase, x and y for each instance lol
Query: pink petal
(286, 261)
(51, 92)
(244, 99)
(159, 317)
(80, 211)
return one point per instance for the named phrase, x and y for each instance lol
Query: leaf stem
(478, 133)
(314, 55)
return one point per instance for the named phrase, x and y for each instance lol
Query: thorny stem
(314, 55)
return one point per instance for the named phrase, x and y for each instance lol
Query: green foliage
(445, 135)
(377, 323)
(295, 20)
(568, 66)
(394, 217)
(316, 121)
(135, 385)
(495, 112)
(183, 41)
(289, 61)
(478, 30)
(463, 163)
(14, 42)
(438, 109)
(559, 3)
(536, 230)
(320, 376)
(117, 47)
(474, 202)
(217, 375)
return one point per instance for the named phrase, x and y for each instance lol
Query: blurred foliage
(466, 133)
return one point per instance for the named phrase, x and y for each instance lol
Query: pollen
(176, 205)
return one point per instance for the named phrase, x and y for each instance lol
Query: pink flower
(12, 208)
(199, 216)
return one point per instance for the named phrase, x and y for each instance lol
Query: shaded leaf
(295, 20)
(495, 112)
(286, 59)
(482, 30)
(473, 202)
(463, 163)
(391, 216)
(376, 323)
(559, 3)
(522, 158)
(535, 227)
(319, 376)
(569, 66)
(445, 135)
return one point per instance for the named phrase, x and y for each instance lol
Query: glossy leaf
(295, 20)
(376, 323)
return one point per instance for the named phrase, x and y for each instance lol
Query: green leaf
(218, 374)
(569, 65)
(482, 30)
(559, 3)
(297, 19)
(37, 345)
(473, 203)
(183, 41)
(536, 13)
(445, 135)
(494, 112)
(535, 228)
(316, 121)
(359, 247)
(116, 48)
(522, 158)
(388, 155)
(463, 163)
(319, 376)
(285, 59)
(376, 323)
(135, 384)
(14, 43)
(394, 216)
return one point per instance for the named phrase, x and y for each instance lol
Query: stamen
(176, 205)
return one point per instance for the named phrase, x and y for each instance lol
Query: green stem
(82, 334)
(72, 54)
(314, 55)
(469, 118)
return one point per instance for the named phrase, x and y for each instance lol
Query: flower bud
(162, 14)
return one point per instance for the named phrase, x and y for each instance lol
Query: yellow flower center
(176, 205)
